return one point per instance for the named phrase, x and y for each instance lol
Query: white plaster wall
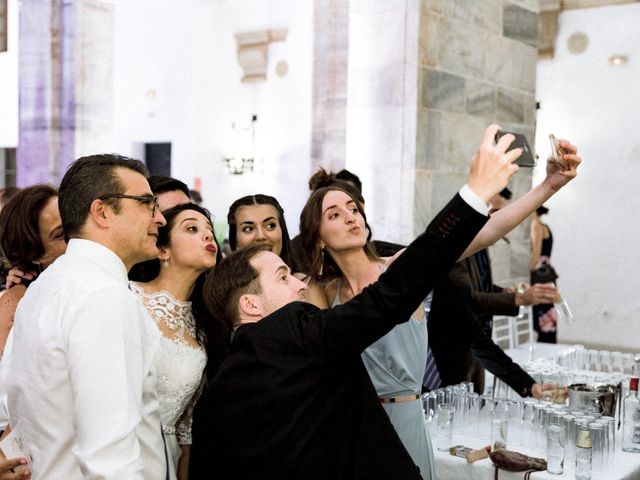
(187, 55)
(9, 82)
(596, 220)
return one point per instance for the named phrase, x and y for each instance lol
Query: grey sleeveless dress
(396, 364)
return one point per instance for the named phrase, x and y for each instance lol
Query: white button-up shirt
(79, 372)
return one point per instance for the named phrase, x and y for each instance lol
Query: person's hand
(492, 166)
(14, 469)
(557, 177)
(536, 294)
(16, 276)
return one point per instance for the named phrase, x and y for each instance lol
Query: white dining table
(624, 466)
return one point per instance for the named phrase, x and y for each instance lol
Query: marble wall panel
(512, 64)
(509, 106)
(480, 99)
(485, 15)
(462, 48)
(442, 90)
(520, 24)
(429, 38)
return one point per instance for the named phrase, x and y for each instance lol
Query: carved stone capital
(253, 48)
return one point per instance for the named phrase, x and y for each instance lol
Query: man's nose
(159, 219)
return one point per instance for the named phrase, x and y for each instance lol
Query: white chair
(522, 327)
(502, 333)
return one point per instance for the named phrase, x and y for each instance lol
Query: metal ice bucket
(594, 398)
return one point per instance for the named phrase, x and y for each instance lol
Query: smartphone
(526, 159)
(557, 152)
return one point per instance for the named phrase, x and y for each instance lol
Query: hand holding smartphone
(520, 141)
(557, 152)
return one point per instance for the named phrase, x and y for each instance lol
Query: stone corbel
(253, 52)
(548, 27)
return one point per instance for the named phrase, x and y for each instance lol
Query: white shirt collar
(100, 254)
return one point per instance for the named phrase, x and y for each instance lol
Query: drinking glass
(429, 405)
(604, 358)
(594, 360)
(444, 426)
(485, 411)
(570, 437)
(473, 413)
(555, 444)
(514, 417)
(499, 425)
(468, 386)
(627, 363)
(597, 445)
(460, 406)
(616, 362)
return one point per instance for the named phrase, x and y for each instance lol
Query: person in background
(31, 238)
(170, 191)
(196, 197)
(544, 315)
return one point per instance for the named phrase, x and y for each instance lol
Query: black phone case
(526, 159)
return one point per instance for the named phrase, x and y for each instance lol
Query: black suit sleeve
(493, 358)
(348, 329)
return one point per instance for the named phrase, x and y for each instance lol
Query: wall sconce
(242, 155)
(237, 166)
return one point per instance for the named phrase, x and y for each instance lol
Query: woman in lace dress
(187, 251)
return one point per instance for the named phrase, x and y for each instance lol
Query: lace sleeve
(183, 425)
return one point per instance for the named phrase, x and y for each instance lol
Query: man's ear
(100, 212)
(250, 305)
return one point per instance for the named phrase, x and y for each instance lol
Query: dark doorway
(157, 157)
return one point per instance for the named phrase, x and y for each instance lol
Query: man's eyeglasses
(151, 201)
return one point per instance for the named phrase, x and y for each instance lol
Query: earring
(165, 262)
(321, 262)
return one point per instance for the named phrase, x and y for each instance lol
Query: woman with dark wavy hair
(31, 239)
(259, 219)
(187, 251)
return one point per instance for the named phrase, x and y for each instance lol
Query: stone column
(330, 54)
(477, 66)
(65, 84)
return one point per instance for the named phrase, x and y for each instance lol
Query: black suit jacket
(456, 338)
(293, 399)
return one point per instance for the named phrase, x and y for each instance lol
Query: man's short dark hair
(87, 179)
(350, 177)
(233, 277)
(162, 184)
(506, 193)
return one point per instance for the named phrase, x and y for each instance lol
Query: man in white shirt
(79, 370)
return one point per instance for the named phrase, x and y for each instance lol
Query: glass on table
(460, 407)
(604, 359)
(611, 436)
(593, 360)
(468, 386)
(583, 451)
(597, 445)
(429, 405)
(627, 363)
(499, 425)
(485, 410)
(556, 437)
(616, 362)
(570, 437)
(444, 426)
(473, 413)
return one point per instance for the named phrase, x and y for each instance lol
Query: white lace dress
(180, 363)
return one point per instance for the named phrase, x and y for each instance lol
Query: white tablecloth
(626, 466)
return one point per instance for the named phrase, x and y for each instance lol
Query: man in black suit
(461, 321)
(293, 399)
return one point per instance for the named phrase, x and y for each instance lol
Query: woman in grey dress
(336, 239)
